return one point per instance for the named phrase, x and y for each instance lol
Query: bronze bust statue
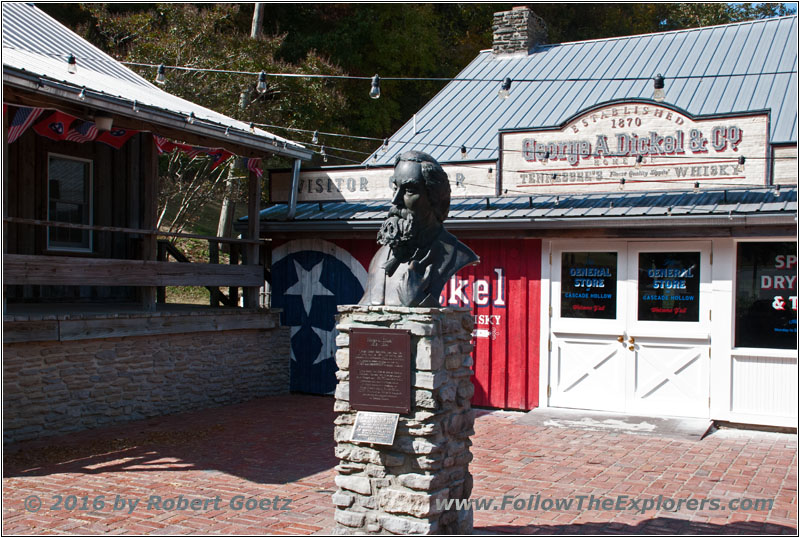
(418, 255)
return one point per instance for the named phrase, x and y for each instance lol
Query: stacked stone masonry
(54, 387)
(404, 488)
(517, 31)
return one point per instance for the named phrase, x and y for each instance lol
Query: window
(669, 286)
(69, 199)
(766, 295)
(589, 285)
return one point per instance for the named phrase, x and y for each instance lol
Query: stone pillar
(404, 488)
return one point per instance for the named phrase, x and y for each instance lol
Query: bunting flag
(116, 138)
(254, 165)
(55, 126)
(219, 155)
(163, 145)
(84, 131)
(23, 119)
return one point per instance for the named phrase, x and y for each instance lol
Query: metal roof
(468, 112)
(623, 209)
(35, 52)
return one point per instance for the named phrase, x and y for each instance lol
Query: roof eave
(156, 116)
(732, 220)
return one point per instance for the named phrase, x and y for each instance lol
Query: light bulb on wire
(261, 87)
(161, 75)
(375, 90)
(324, 155)
(658, 88)
(385, 146)
(740, 165)
(504, 89)
(315, 138)
(72, 64)
(639, 160)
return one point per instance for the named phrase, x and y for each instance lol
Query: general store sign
(597, 151)
(349, 184)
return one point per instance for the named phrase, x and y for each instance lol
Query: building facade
(638, 251)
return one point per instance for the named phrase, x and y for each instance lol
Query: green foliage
(392, 40)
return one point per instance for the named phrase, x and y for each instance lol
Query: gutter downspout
(293, 192)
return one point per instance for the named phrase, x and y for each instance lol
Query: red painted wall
(504, 294)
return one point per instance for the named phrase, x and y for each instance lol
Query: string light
(161, 76)
(191, 118)
(658, 88)
(545, 158)
(463, 152)
(622, 184)
(315, 138)
(696, 186)
(252, 127)
(448, 79)
(777, 191)
(639, 160)
(504, 89)
(324, 155)
(82, 95)
(135, 106)
(72, 64)
(375, 90)
(261, 87)
(385, 146)
(740, 165)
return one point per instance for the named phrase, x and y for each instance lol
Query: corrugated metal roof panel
(543, 208)
(35, 43)
(468, 112)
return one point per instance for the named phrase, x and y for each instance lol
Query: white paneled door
(629, 327)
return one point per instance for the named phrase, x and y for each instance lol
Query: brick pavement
(282, 446)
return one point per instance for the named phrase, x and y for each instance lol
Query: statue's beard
(399, 231)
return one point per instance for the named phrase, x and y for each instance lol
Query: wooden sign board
(377, 428)
(380, 370)
(351, 184)
(597, 152)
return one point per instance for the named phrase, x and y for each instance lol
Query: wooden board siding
(507, 337)
(506, 334)
(56, 270)
(117, 198)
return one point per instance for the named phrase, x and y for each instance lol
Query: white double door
(629, 362)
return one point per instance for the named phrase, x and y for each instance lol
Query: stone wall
(52, 387)
(402, 488)
(517, 31)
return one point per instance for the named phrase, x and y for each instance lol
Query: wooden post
(149, 214)
(213, 257)
(253, 221)
(161, 291)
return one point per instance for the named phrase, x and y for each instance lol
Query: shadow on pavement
(271, 440)
(658, 525)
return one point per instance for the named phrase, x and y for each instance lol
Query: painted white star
(328, 344)
(308, 285)
(294, 330)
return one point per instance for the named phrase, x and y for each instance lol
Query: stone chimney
(517, 31)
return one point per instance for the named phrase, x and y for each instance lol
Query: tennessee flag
(116, 138)
(55, 126)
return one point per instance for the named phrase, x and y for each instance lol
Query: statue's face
(410, 192)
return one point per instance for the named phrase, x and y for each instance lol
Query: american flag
(254, 165)
(85, 131)
(22, 120)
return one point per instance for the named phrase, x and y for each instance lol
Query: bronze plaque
(378, 428)
(380, 370)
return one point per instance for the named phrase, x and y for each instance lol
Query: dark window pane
(589, 285)
(766, 295)
(669, 286)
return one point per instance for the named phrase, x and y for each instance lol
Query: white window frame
(90, 202)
